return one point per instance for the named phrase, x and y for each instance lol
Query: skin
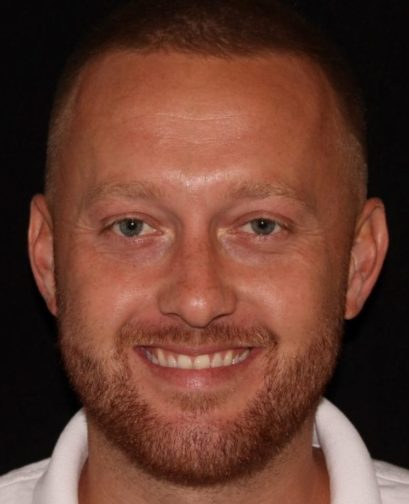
(198, 148)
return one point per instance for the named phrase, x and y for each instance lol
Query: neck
(297, 476)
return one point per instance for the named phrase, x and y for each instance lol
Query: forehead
(126, 85)
(201, 115)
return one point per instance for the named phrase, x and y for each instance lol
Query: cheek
(102, 294)
(294, 298)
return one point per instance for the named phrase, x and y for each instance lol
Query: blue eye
(132, 227)
(262, 226)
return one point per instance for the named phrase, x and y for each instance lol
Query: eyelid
(115, 217)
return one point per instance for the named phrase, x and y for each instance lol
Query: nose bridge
(197, 290)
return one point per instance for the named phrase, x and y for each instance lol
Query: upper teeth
(165, 358)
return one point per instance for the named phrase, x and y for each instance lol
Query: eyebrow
(132, 190)
(149, 191)
(260, 190)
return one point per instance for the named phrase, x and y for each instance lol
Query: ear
(40, 246)
(367, 255)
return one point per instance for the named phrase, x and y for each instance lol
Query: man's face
(202, 233)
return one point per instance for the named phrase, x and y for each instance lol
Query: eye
(262, 226)
(132, 227)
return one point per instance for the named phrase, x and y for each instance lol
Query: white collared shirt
(354, 477)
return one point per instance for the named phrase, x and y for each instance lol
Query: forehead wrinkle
(132, 190)
(198, 118)
(163, 127)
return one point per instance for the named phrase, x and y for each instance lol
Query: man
(204, 233)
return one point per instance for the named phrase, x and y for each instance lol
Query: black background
(372, 382)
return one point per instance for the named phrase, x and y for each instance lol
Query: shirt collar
(60, 481)
(350, 467)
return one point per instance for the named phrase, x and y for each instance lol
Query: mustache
(229, 334)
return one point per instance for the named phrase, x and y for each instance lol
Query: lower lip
(198, 379)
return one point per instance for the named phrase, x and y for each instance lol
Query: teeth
(172, 362)
(161, 357)
(184, 362)
(164, 358)
(228, 358)
(201, 362)
(217, 360)
(241, 357)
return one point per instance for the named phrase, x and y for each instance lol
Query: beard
(196, 448)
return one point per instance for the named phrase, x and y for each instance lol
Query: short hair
(221, 28)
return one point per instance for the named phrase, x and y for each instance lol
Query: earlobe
(40, 243)
(367, 255)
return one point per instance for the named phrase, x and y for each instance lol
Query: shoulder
(393, 483)
(16, 487)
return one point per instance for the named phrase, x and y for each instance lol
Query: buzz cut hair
(219, 28)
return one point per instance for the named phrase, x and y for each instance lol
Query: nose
(196, 290)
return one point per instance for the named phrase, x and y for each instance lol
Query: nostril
(197, 308)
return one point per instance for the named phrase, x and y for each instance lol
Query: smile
(165, 358)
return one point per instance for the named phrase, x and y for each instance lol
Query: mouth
(174, 367)
(171, 359)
